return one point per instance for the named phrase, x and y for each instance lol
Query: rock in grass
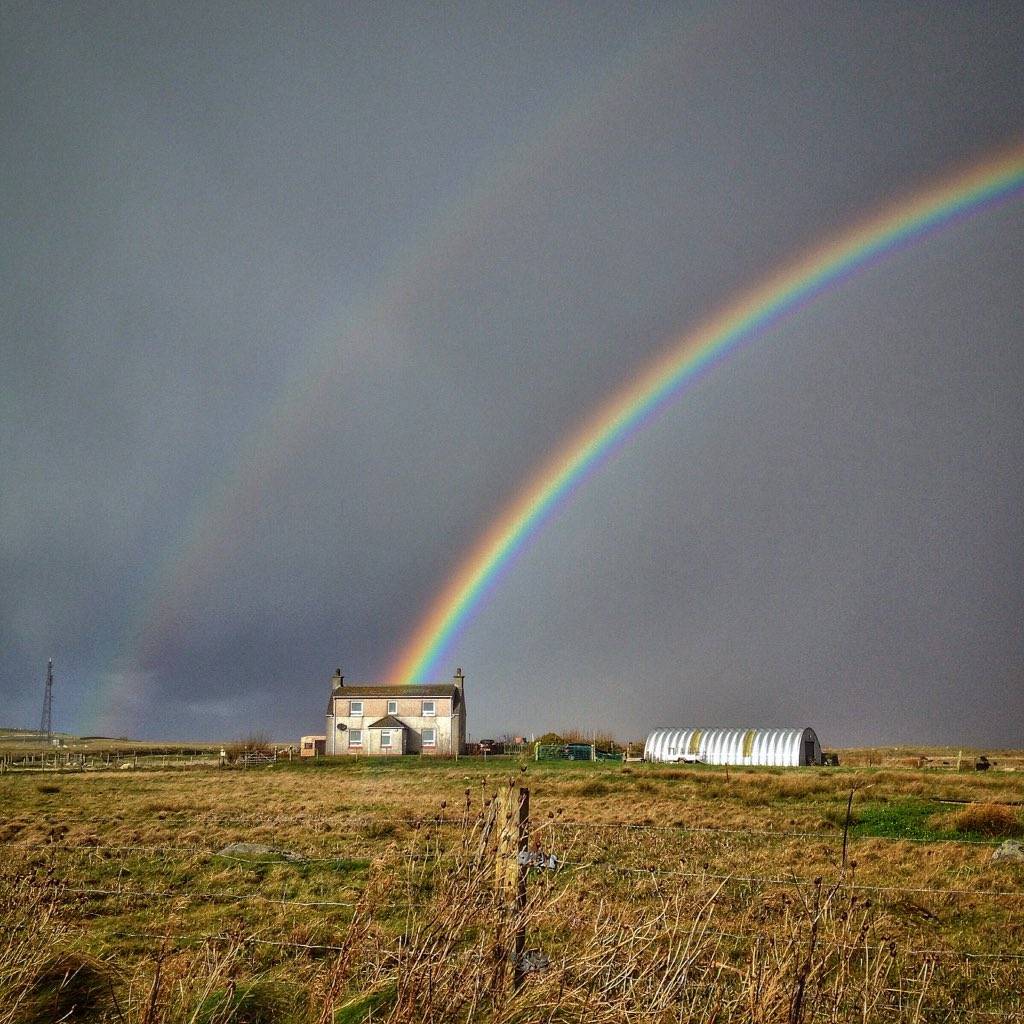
(533, 961)
(1012, 849)
(260, 850)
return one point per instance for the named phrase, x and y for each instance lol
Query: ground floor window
(429, 737)
(385, 739)
(355, 737)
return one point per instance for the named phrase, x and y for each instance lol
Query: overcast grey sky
(297, 296)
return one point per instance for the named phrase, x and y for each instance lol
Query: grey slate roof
(387, 722)
(357, 690)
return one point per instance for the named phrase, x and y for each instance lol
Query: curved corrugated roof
(766, 747)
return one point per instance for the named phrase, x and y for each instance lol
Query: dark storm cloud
(474, 226)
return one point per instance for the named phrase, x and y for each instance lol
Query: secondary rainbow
(994, 180)
(206, 538)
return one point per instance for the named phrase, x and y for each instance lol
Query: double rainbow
(994, 180)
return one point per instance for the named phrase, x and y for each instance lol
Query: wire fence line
(227, 897)
(877, 948)
(795, 881)
(356, 824)
(297, 861)
(466, 819)
(198, 938)
(836, 835)
(199, 852)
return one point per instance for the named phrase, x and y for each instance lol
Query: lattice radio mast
(46, 722)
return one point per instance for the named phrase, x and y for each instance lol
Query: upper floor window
(428, 708)
(392, 707)
(355, 708)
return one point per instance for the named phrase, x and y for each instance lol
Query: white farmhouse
(375, 718)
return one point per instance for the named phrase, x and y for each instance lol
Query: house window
(355, 708)
(355, 737)
(392, 707)
(429, 737)
(385, 739)
(428, 708)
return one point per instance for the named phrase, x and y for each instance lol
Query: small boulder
(260, 850)
(1012, 850)
(533, 961)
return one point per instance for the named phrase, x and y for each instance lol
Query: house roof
(357, 690)
(382, 690)
(387, 722)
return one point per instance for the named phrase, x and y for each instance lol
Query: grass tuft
(989, 820)
(66, 986)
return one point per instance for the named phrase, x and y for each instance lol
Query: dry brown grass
(994, 820)
(657, 924)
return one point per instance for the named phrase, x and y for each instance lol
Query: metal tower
(46, 722)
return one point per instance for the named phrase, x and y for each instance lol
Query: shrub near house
(382, 719)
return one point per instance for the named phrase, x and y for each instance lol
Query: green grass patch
(348, 866)
(361, 1007)
(904, 819)
(256, 1002)
(898, 819)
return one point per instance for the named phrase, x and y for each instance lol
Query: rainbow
(995, 179)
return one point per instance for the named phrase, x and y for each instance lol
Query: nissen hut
(779, 748)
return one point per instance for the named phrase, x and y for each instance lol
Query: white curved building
(779, 748)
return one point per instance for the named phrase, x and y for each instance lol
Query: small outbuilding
(779, 748)
(312, 746)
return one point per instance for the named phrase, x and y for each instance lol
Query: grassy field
(683, 893)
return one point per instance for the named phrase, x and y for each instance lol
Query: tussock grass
(992, 820)
(595, 787)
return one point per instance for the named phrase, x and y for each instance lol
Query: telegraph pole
(46, 722)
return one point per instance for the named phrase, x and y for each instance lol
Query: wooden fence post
(513, 825)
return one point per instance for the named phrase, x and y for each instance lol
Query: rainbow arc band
(994, 180)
